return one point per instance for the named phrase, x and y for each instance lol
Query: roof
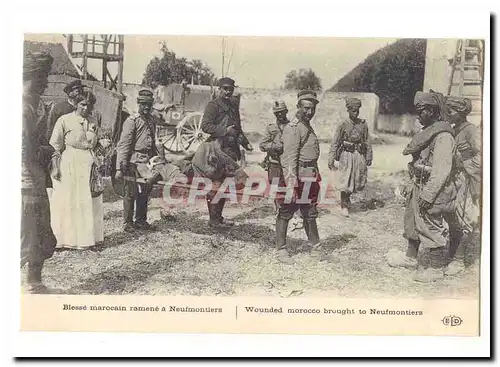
(62, 64)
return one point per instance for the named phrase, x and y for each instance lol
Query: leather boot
(313, 237)
(456, 255)
(35, 278)
(281, 232)
(344, 204)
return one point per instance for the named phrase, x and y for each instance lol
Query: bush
(170, 69)
(304, 79)
(394, 73)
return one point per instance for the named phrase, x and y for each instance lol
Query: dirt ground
(186, 258)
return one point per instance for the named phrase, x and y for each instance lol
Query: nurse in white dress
(77, 217)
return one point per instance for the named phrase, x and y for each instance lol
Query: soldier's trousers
(37, 239)
(275, 175)
(308, 211)
(427, 228)
(140, 201)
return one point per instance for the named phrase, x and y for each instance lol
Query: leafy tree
(394, 73)
(170, 69)
(302, 79)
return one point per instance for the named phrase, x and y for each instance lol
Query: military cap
(226, 82)
(353, 103)
(308, 95)
(145, 96)
(279, 106)
(71, 86)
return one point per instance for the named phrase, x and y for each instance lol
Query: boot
(344, 204)
(435, 271)
(456, 256)
(35, 278)
(215, 215)
(313, 237)
(281, 232)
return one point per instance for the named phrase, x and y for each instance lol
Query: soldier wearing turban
(468, 141)
(351, 147)
(37, 239)
(433, 191)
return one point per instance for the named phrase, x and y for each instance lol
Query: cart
(181, 131)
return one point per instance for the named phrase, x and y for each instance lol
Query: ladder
(466, 79)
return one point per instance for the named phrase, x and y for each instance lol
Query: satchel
(97, 185)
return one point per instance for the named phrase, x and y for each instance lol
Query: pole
(121, 48)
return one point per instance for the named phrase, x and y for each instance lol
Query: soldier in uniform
(431, 198)
(352, 149)
(272, 145)
(300, 164)
(464, 224)
(221, 120)
(137, 145)
(37, 239)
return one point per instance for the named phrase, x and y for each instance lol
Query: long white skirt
(77, 218)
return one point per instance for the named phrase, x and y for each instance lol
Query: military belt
(308, 164)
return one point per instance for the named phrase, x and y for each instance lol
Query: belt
(143, 151)
(308, 164)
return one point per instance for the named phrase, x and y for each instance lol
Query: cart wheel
(189, 133)
(170, 141)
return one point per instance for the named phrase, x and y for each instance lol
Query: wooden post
(462, 69)
(104, 72)
(85, 45)
(121, 47)
(70, 44)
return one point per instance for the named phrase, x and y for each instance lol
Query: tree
(302, 80)
(170, 69)
(394, 73)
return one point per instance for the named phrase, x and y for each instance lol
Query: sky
(257, 62)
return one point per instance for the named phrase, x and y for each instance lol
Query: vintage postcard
(238, 184)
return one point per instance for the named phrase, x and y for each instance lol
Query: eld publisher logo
(452, 321)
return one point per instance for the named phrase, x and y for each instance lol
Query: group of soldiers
(442, 184)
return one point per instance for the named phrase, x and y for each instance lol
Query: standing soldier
(351, 147)
(300, 164)
(433, 192)
(221, 120)
(137, 145)
(37, 239)
(465, 223)
(273, 146)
